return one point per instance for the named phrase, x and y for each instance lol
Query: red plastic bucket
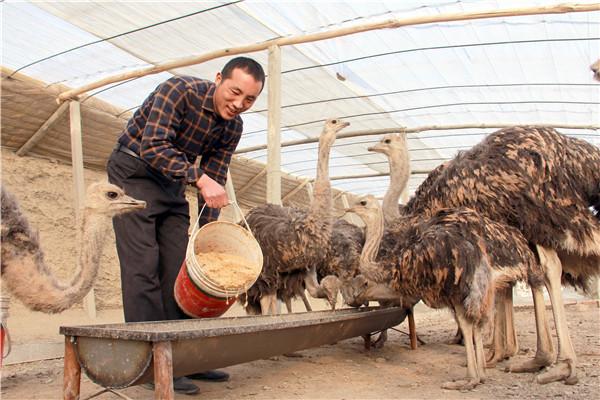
(197, 291)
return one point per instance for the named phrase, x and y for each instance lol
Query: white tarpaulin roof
(511, 70)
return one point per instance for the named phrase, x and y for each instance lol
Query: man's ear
(218, 78)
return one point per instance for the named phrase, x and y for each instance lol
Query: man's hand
(214, 194)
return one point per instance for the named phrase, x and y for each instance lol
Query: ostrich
(24, 272)
(293, 240)
(447, 261)
(540, 182)
(395, 148)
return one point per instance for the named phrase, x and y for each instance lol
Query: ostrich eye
(334, 121)
(387, 141)
(112, 195)
(363, 203)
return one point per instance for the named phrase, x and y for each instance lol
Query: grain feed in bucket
(222, 261)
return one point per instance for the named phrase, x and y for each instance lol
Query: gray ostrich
(447, 261)
(293, 240)
(540, 182)
(24, 272)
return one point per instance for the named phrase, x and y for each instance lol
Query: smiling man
(154, 160)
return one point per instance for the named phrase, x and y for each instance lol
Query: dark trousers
(151, 244)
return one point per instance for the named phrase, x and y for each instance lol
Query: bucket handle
(231, 202)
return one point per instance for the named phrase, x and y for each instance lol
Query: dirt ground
(347, 371)
(341, 371)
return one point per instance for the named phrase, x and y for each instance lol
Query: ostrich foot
(562, 370)
(461, 384)
(531, 365)
(493, 357)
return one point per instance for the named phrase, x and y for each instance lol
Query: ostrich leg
(479, 353)
(545, 351)
(512, 343)
(564, 368)
(504, 343)
(472, 378)
(305, 301)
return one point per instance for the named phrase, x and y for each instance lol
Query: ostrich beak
(127, 204)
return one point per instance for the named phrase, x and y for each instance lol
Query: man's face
(236, 94)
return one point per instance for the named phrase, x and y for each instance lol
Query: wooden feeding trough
(121, 355)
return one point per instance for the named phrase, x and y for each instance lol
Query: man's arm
(167, 110)
(215, 165)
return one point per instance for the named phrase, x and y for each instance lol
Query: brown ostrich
(395, 148)
(24, 272)
(447, 261)
(542, 183)
(293, 240)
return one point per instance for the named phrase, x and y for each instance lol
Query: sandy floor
(347, 371)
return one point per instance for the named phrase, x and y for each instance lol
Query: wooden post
(231, 194)
(72, 371)
(274, 127)
(412, 330)
(89, 302)
(163, 371)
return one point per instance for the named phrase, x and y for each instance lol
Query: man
(154, 160)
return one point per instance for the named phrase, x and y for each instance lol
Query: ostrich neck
(93, 232)
(373, 236)
(322, 203)
(399, 174)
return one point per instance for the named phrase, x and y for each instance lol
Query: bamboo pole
(374, 175)
(295, 190)
(333, 33)
(252, 181)
(41, 132)
(274, 127)
(383, 131)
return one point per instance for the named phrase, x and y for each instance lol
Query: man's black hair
(246, 64)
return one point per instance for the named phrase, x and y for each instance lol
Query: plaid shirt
(176, 124)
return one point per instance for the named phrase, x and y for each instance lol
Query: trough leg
(412, 330)
(72, 371)
(163, 371)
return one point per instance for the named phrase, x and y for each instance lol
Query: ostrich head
(330, 130)
(104, 198)
(368, 209)
(331, 284)
(595, 67)
(390, 144)
(353, 292)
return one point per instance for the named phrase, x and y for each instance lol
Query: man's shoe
(180, 385)
(212, 375)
